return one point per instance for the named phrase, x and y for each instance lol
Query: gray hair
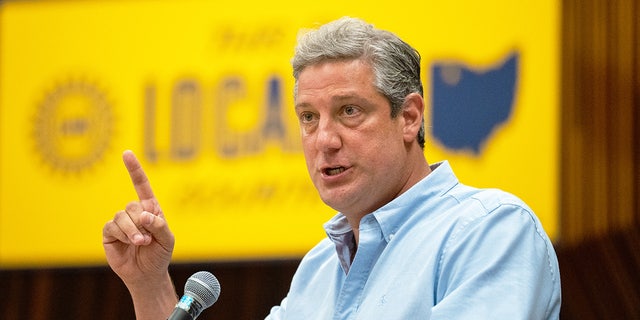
(396, 65)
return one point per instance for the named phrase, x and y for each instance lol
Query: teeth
(335, 171)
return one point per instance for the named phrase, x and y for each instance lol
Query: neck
(354, 219)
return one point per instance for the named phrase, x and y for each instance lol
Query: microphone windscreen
(203, 286)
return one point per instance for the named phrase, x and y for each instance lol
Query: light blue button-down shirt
(441, 250)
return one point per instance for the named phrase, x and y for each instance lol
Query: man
(409, 241)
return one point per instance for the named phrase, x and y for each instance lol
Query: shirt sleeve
(498, 265)
(277, 312)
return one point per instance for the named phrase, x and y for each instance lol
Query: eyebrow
(337, 99)
(301, 106)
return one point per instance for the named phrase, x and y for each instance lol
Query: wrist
(153, 299)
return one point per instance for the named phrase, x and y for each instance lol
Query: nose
(328, 137)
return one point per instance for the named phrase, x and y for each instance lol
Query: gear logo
(73, 126)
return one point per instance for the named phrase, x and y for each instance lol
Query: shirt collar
(392, 216)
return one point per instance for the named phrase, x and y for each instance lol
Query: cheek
(307, 143)
(386, 151)
(309, 152)
(383, 141)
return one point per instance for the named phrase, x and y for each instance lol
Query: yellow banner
(202, 92)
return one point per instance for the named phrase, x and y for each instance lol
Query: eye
(350, 110)
(306, 117)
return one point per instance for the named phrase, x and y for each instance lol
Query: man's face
(355, 151)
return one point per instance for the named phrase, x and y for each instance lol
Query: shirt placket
(370, 246)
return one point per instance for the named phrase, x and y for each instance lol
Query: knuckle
(134, 207)
(119, 216)
(123, 220)
(108, 227)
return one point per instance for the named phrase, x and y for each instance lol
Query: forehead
(335, 80)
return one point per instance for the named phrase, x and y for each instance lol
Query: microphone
(200, 292)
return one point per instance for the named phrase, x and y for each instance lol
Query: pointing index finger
(138, 177)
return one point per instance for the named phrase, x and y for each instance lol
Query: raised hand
(137, 241)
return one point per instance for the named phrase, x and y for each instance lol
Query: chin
(332, 201)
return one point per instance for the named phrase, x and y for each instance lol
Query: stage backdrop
(202, 92)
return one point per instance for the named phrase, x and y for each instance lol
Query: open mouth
(333, 171)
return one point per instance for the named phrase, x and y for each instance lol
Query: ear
(412, 114)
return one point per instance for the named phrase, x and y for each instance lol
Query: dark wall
(601, 278)
(599, 249)
(249, 290)
(600, 118)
